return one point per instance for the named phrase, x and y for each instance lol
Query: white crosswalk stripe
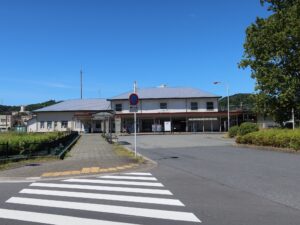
(139, 174)
(46, 218)
(104, 188)
(134, 183)
(131, 211)
(105, 198)
(124, 198)
(129, 177)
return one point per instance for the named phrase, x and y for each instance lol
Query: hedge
(281, 138)
(19, 142)
(245, 128)
(233, 131)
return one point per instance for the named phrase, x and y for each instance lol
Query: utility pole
(80, 83)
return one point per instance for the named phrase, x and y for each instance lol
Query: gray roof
(78, 105)
(167, 92)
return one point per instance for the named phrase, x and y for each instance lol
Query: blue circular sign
(133, 99)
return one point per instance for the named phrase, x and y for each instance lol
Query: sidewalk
(90, 155)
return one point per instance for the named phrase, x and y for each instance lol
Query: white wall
(6, 121)
(59, 117)
(173, 105)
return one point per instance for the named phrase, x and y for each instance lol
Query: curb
(267, 148)
(84, 172)
(145, 157)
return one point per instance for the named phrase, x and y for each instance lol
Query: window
(49, 124)
(194, 105)
(118, 107)
(42, 124)
(163, 105)
(209, 105)
(64, 124)
(55, 124)
(3, 120)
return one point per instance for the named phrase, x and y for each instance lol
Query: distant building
(6, 122)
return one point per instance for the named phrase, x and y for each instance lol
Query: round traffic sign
(133, 99)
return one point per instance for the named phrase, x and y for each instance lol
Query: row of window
(64, 124)
(164, 105)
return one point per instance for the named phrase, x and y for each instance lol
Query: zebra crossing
(123, 199)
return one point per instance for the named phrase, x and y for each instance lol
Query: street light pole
(228, 106)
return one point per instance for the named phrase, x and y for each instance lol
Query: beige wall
(173, 105)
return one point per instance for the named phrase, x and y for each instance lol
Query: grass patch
(21, 163)
(124, 152)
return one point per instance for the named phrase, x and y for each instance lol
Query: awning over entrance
(102, 116)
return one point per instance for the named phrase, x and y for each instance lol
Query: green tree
(272, 51)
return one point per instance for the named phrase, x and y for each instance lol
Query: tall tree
(272, 51)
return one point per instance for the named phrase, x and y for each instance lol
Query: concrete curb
(145, 157)
(267, 148)
(111, 170)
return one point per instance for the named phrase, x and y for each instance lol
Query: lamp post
(228, 108)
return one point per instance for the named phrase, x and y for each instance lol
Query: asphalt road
(198, 177)
(224, 184)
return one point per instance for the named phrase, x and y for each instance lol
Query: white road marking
(138, 174)
(104, 188)
(128, 177)
(98, 181)
(132, 211)
(125, 198)
(33, 178)
(53, 219)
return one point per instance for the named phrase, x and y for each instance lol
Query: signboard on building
(202, 119)
(167, 125)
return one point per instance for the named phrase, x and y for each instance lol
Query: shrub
(281, 138)
(233, 131)
(247, 128)
(18, 142)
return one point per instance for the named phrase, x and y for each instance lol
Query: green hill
(238, 101)
(31, 107)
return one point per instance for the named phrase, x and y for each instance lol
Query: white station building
(161, 109)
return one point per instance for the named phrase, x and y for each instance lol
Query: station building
(160, 109)
(168, 109)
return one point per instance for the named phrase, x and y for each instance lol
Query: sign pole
(134, 91)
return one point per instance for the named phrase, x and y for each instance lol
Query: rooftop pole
(80, 83)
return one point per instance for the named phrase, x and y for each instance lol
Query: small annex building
(82, 115)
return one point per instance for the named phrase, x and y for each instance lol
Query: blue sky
(181, 43)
